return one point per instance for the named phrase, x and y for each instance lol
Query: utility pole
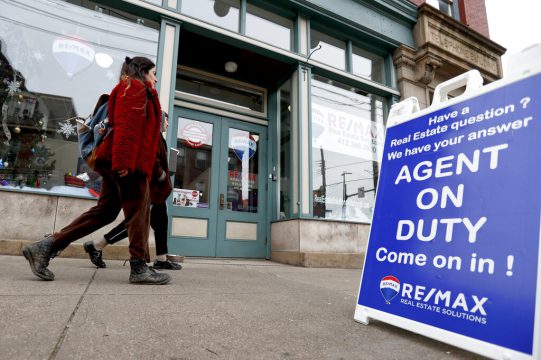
(344, 193)
(323, 177)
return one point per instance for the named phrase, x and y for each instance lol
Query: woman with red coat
(160, 188)
(125, 161)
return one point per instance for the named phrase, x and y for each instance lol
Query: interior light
(231, 66)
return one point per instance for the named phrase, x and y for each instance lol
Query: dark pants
(158, 222)
(129, 193)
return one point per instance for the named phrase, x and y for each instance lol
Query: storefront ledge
(113, 252)
(323, 260)
(10, 247)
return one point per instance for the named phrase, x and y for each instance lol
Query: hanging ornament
(67, 129)
(17, 130)
(13, 87)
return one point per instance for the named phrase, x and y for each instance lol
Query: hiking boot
(166, 265)
(143, 275)
(38, 255)
(94, 254)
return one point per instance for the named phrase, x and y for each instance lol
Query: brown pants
(129, 193)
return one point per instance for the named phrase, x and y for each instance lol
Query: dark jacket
(160, 184)
(135, 115)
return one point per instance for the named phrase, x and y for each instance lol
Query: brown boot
(143, 275)
(38, 255)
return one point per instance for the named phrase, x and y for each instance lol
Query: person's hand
(123, 172)
(162, 176)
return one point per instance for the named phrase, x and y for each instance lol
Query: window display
(347, 143)
(56, 59)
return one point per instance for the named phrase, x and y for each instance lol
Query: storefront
(277, 110)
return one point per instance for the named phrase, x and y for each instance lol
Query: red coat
(160, 185)
(135, 115)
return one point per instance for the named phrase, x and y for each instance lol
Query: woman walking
(125, 161)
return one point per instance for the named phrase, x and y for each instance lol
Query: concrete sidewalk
(212, 309)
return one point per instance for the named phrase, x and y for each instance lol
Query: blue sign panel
(454, 242)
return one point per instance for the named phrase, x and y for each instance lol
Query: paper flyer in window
(185, 197)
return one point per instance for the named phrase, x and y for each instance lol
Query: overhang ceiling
(199, 52)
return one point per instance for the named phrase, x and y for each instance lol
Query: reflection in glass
(220, 90)
(56, 58)
(155, 2)
(194, 164)
(268, 27)
(285, 150)
(367, 65)
(332, 52)
(224, 13)
(347, 143)
(242, 166)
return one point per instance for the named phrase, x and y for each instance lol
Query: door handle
(222, 201)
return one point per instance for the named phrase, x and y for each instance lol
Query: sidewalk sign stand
(454, 249)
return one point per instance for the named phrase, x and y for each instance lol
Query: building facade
(277, 111)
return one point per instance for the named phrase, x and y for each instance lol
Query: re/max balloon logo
(468, 307)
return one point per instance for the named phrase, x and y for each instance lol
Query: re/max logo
(471, 304)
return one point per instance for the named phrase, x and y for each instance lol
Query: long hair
(136, 68)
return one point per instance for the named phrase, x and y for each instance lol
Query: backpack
(94, 130)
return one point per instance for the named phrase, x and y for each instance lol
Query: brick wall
(473, 13)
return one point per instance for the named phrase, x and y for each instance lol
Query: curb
(76, 250)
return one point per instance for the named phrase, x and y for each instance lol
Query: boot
(94, 254)
(142, 274)
(38, 255)
(166, 265)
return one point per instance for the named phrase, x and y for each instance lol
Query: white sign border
(363, 313)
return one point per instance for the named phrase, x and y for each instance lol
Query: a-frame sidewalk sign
(454, 247)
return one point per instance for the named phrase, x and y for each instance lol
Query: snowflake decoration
(13, 87)
(67, 129)
(38, 55)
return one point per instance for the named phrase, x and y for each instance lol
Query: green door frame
(215, 244)
(198, 246)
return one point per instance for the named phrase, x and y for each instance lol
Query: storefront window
(285, 150)
(243, 173)
(224, 13)
(367, 65)
(155, 2)
(198, 86)
(194, 164)
(56, 59)
(347, 143)
(268, 27)
(332, 51)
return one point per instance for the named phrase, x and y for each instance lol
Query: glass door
(242, 190)
(219, 189)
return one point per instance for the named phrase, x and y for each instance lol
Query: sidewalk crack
(68, 324)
